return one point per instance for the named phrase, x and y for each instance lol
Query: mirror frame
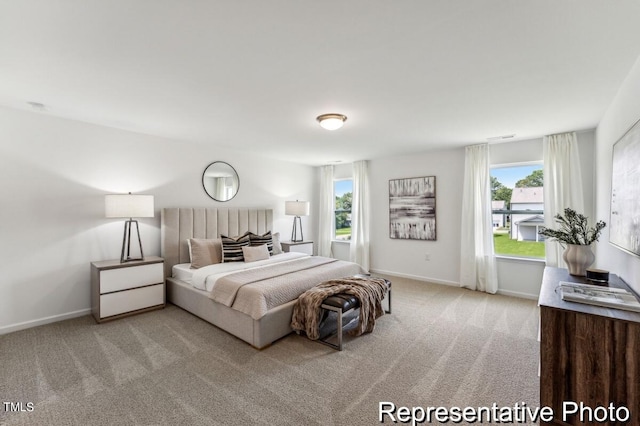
(237, 178)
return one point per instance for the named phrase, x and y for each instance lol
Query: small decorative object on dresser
(576, 234)
(297, 246)
(122, 289)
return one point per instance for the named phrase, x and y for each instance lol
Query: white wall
(407, 257)
(623, 112)
(55, 173)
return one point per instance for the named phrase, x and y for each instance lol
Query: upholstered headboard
(180, 224)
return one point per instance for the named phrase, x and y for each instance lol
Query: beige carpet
(441, 346)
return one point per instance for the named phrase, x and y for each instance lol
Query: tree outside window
(518, 210)
(343, 193)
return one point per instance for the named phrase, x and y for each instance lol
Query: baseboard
(452, 283)
(42, 321)
(518, 294)
(416, 277)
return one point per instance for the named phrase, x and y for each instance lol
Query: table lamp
(297, 209)
(129, 206)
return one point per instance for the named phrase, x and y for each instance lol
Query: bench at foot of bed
(345, 309)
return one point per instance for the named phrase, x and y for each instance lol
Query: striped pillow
(232, 247)
(258, 240)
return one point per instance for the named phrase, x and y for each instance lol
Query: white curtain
(360, 215)
(562, 185)
(221, 186)
(477, 263)
(326, 206)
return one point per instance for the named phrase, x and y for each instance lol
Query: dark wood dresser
(588, 354)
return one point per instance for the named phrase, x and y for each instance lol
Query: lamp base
(294, 231)
(130, 259)
(126, 241)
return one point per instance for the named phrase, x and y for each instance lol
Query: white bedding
(183, 272)
(256, 291)
(206, 277)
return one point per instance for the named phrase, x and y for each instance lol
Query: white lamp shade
(296, 208)
(128, 205)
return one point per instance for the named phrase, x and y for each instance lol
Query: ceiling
(411, 75)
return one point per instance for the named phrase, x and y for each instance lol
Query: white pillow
(277, 247)
(255, 253)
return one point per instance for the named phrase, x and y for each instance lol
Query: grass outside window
(343, 233)
(503, 245)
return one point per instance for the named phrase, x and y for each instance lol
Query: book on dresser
(608, 297)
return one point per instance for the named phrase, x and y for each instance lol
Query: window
(518, 210)
(343, 193)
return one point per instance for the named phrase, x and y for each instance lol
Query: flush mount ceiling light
(331, 121)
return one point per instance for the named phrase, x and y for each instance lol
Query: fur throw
(369, 291)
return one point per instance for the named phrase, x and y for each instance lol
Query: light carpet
(441, 346)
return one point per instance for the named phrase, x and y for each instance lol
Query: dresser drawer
(131, 277)
(131, 300)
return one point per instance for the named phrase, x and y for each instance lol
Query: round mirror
(220, 181)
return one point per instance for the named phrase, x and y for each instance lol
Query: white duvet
(205, 278)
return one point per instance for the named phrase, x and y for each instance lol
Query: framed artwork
(412, 208)
(624, 231)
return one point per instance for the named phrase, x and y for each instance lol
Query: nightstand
(122, 289)
(300, 246)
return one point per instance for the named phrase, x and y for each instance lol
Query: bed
(258, 328)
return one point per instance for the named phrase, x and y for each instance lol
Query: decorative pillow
(252, 254)
(232, 248)
(204, 252)
(265, 239)
(277, 247)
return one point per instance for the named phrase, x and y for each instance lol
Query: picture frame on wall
(412, 208)
(624, 231)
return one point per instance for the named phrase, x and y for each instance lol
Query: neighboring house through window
(517, 210)
(499, 219)
(525, 226)
(343, 194)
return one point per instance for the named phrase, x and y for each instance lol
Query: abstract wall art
(412, 208)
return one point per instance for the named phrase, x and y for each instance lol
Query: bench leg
(389, 301)
(339, 324)
(339, 321)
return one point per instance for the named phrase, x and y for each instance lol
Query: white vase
(578, 258)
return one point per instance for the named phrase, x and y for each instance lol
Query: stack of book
(608, 297)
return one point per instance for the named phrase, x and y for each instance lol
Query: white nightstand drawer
(131, 277)
(131, 300)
